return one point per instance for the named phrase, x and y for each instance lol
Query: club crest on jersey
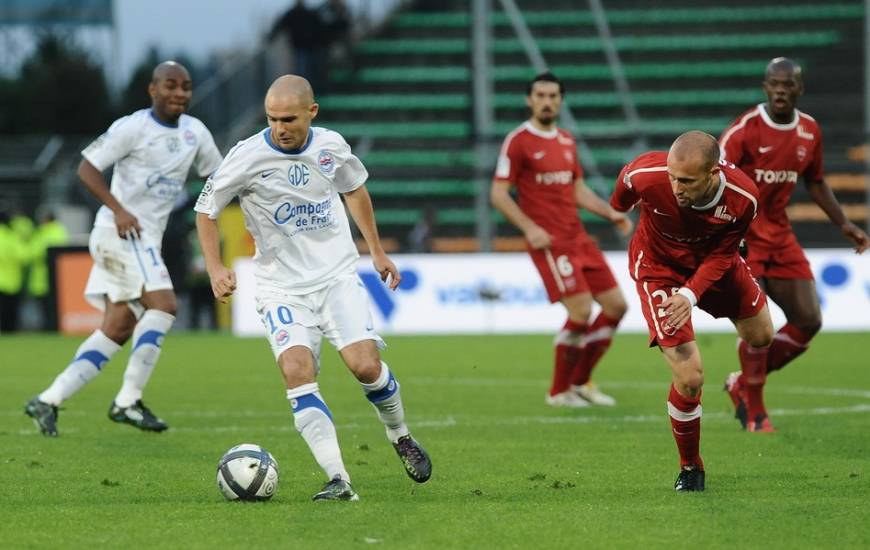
(189, 138)
(326, 162)
(801, 152)
(298, 174)
(173, 144)
(722, 215)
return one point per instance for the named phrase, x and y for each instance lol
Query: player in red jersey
(694, 210)
(775, 144)
(540, 160)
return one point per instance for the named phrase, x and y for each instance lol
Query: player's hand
(858, 237)
(538, 238)
(387, 269)
(678, 309)
(223, 283)
(622, 223)
(127, 224)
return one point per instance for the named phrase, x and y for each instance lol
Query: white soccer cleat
(566, 399)
(590, 392)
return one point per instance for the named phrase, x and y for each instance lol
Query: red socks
(685, 414)
(568, 350)
(753, 364)
(788, 343)
(596, 342)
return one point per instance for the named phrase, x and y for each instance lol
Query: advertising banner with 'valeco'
(502, 293)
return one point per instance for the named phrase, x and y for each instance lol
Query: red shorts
(785, 262)
(573, 268)
(735, 296)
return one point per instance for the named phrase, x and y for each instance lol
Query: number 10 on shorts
(279, 316)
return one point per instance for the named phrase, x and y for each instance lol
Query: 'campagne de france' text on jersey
(152, 161)
(291, 206)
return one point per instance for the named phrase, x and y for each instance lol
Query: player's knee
(691, 382)
(118, 332)
(811, 324)
(367, 370)
(761, 337)
(616, 310)
(168, 305)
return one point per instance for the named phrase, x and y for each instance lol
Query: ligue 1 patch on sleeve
(326, 162)
(189, 138)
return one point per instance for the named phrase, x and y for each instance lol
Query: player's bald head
(170, 69)
(780, 65)
(289, 89)
(695, 148)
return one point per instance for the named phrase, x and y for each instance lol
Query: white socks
(383, 393)
(314, 422)
(87, 364)
(147, 340)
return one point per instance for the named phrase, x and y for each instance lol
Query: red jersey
(543, 166)
(697, 242)
(774, 156)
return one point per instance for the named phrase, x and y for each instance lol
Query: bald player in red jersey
(694, 210)
(775, 144)
(540, 161)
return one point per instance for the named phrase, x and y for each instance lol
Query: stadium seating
(407, 105)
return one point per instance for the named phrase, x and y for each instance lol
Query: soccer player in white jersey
(288, 179)
(152, 151)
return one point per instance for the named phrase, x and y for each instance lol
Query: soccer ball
(247, 472)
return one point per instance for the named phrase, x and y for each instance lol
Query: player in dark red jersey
(694, 210)
(776, 144)
(540, 160)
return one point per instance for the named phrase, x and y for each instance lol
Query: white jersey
(292, 208)
(152, 161)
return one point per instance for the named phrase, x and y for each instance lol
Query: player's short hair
(545, 77)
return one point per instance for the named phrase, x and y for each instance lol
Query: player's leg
(684, 409)
(800, 303)
(349, 327)
(87, 363)
(596, 342)
(568, 351)
(756, 334)
(313, 419)
(156, 311)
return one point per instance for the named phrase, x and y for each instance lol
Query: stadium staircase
(407, 106)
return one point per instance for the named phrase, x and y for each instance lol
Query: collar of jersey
(718, 196)
(156, 119)
(540, 133)
(299, 151)
(775, 125)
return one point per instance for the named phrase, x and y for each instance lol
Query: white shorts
(340, 312)
(123, 269)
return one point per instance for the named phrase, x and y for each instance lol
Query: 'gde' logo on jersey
(381, 294)
(298, 174)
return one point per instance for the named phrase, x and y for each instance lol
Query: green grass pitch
(509, 472)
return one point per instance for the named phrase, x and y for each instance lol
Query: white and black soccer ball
(247, 472)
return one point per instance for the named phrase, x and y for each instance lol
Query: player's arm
(223, 279)
(624, 196)
(359, 203)
(824, 197)
(586, 198)
(95, 183)
(679, 306)
(500, 197)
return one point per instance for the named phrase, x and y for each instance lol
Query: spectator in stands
(13, 257)
(49, 233)
(775, 144)
(420, 237)
(303, 27)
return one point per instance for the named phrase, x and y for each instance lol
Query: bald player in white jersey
(288, 178)
(152, 152)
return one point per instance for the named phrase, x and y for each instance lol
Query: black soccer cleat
(44, 416)
(414, 458)
(691, 478)
(137, 415)
(336, 489)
